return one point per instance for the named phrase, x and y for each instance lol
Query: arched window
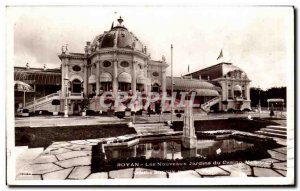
(76, 86)
(155, 87)
(124, 81)
(106, 81)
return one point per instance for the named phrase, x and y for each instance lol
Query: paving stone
(282, 150)
(283, 172)
(44, 159)
(80, 172)
(239, 169)
(78, 142)
(123, 173)
(148, 173)
(73, 154)
(29, 177)
(265, 172)
(211, 171)
(93, 140)
(263, 164)
(76, 147)
(270, 160)
(79, 161)
(57, 175)
(184, 174)
(55, 151)
(99, 175)
(280, 166)
(41, 168)
(60, 145)
(277, 155)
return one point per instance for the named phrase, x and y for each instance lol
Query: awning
(22, 86)
(124, 77)
(206, 92)
(237, 88)
(92, 79)
(188, 84)
(141, 80)
(38, 77)
(105, 77)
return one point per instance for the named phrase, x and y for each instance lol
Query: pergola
(275, 101)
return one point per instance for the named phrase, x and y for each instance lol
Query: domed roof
(120, 35)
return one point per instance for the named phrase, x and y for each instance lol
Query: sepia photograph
(150, 95)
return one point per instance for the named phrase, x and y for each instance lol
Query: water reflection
(174, 150)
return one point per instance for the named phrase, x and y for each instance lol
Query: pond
(173, 149)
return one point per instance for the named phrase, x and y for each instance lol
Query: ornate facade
(117, 61)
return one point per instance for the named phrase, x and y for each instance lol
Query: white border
(215, 181)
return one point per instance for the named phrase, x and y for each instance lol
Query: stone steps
(152, 128)
(273, 131)
(281, 128)
(270, 134)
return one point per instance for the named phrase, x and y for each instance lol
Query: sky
(259, 40)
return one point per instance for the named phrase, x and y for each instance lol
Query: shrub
(230, 110)
(25, 111)
(90, 112)
(246, 109)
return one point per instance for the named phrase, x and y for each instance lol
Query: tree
(120, 115)
(56, 102)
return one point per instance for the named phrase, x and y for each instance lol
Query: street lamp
(66, 109)
(259, 107)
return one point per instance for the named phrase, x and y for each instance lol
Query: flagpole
(172, 83)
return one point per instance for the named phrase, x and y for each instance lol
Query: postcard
(150, 95)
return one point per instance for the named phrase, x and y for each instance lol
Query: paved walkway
(72, 160)
(46, 121)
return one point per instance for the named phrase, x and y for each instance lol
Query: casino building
(117, 61)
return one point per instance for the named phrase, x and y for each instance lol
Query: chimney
(27, 65)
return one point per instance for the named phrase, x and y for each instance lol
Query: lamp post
(66, 109)
(259, 107)
(172, 101)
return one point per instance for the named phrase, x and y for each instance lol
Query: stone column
(133, 79)
(63, 86)
(97, 77)
(85, 78)
(163, 85)
(115, 77)
(247, 89)
(67, 74)
(189, 139)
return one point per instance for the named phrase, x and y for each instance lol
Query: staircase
(273, 131)
(206, 106)
(42, 101)
(155, 128)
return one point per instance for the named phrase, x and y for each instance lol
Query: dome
(120, 35)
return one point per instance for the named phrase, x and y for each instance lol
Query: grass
(44, 136)
(240, 124)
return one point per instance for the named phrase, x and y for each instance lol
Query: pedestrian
(149, 110)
